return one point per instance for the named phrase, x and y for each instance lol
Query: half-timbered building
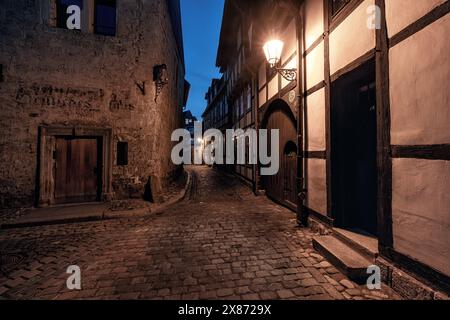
(359, 94)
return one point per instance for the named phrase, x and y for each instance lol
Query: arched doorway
(282, 186)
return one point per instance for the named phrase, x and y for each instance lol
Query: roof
(230, 14)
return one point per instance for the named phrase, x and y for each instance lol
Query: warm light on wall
(273, 50)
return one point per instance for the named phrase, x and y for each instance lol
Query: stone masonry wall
(61, 77)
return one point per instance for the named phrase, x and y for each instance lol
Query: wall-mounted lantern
(160, 78)
(273, 50)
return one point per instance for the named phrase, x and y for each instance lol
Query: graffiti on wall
(78, 100)
(120, 102)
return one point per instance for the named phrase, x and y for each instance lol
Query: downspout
(301, 190)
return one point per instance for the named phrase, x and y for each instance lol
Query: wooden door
(290, 173)
(282, 186)
(77, 169)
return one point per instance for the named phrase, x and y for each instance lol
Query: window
(105, 17)
(249, 97)
(337, 5)
(61, 11)
(122, 153)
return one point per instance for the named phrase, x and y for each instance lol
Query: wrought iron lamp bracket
(288, 74)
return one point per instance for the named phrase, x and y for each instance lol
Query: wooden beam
(343, 14)
(318, 216)
(327, 80)
(420, 24)
(384, 161)
(433, 277)
(317, 87)
(430, 152)
(313, 45)
(354, 64)
(315, 154)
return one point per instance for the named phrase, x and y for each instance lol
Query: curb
(156, 210)
(106, 215)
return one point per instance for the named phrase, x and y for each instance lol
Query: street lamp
(273, 50)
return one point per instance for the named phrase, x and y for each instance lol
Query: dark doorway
(78, 169)
(354, 150)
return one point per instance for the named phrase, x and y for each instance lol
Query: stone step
(365, 244)
(349, 261)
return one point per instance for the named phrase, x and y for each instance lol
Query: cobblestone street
(212, 245)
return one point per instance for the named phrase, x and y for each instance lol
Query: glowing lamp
(273, 50)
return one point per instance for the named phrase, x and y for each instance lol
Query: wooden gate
(77, 174)
(282, 186)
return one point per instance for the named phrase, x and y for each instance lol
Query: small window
(337, 5)
(249, 97)
(122, 153)
(61, 11)
(105, 17)
(290, 149)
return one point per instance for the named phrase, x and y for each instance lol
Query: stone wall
(58, 77)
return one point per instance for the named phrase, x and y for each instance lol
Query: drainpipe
(301, 190)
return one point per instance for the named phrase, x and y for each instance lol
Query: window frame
(335, 13)
(122, 158)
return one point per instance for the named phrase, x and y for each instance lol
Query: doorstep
(59, 215)
(348, 260)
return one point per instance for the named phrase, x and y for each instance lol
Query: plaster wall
(419, 87)
(421, 211)
(400, 13)
(315, 121)
(262, 75)
(262, 97)
(316, 197)
(290, 42)
(315, 66)
(273, 86)
(313, 22)
(352, 38)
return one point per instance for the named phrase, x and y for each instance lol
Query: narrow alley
(211, 245)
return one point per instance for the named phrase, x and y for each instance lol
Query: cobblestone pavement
(221, 242)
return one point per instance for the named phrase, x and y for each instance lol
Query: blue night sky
(201, 21)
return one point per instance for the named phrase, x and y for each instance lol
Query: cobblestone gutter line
(10, 220)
